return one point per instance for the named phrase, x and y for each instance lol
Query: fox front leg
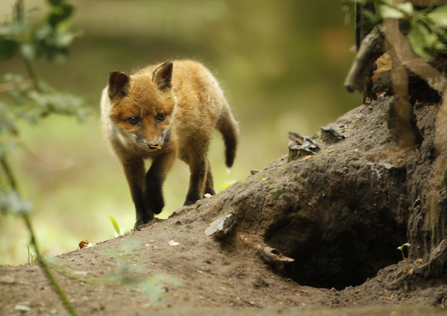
(134, 170)
(155, 178)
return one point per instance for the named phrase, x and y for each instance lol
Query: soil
(339, 214)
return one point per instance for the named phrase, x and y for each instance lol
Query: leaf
(60, 13)
(398, 11)
(115, 225)
(388, 12)
(420, 38)
(28, 51)
(10, 202)
(8, 48)
(439, 15)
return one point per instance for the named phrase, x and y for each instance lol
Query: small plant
(225, 185)
(31, 255)
(401, 248)
(426, 28)
(118, 230)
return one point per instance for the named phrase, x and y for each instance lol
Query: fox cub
(160, 113)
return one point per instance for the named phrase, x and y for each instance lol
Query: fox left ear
(119, 84)
(162, 76)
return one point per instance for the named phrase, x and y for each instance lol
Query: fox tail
(228, 127)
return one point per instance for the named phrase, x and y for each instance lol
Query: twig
(371, 48)
(13, 183)
(412, 62)
(7, 86)
(401, 115)
(9, 174)
(47, 271)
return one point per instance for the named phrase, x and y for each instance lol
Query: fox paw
(142, 223)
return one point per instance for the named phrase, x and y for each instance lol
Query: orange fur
(162, 112)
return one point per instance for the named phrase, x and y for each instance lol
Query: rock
(330, 135)
(300, 146)
(221, 226)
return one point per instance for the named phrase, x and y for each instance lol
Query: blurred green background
(281, 64)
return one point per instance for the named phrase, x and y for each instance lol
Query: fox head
(142, 107)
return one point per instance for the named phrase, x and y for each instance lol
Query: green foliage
(427, 32)
(128, 273)
(47, 40)
(10, 202)
(116, 226)
(32, 99)
(401, 248)
(225, 185)
(31, 255)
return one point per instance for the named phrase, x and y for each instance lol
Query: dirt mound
(304, 236)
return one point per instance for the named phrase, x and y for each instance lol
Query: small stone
(7, 279)
(23, 307)
(330, 135)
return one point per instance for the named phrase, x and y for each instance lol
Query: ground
(214, 278)
(172, 267)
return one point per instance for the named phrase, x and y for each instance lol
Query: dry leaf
(85, 244)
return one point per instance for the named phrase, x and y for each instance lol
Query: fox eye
(134, 120)
(161, 117)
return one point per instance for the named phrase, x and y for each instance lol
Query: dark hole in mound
(344, 255)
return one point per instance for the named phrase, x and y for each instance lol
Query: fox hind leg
(199, 170)
(209, 187)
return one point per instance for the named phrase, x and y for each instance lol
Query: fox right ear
(119, 84)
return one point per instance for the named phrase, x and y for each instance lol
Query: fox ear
(162, 76)
(119, 84)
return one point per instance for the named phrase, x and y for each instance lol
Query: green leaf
(7, 123)
(388, 12)
(7, 146)
(439, 15)
(115, 225)
(421, 41)
(398, 11)
(8, 48)
(28, 51)
(60, 13)
(10, 202)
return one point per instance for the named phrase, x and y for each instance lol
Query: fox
(160, 113)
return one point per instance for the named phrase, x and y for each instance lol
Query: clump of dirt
(339, 214)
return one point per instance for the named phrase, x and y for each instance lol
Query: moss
(275, 191)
